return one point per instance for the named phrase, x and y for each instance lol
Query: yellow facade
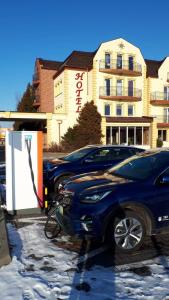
(124, 91)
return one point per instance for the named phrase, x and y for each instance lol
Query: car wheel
(60, 180)
(127, 232)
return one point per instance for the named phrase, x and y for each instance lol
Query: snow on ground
(40, 270)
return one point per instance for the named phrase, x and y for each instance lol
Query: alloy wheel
(128, 233)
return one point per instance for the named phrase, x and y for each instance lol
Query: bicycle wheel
(52, 227)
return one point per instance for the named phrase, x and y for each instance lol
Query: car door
(159, 201)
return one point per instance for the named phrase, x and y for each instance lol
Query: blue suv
(87, 159)
(121, 205)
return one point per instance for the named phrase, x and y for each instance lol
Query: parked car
(87, 159)
(122, 205)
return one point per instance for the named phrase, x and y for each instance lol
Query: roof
(50, 64)
(153, 67)
(77, 59)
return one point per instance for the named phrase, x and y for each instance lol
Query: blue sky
(51, 29)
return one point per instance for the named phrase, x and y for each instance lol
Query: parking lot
(65, 268)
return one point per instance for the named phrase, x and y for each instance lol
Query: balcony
(36, 102)
(159, 98)
(124, 68)
(162, 120)
(36, 79)
(116, 94)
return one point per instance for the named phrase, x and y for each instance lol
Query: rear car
(87, 159)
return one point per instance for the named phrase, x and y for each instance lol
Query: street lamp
(59, 123)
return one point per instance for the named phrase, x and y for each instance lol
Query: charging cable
(28, 145)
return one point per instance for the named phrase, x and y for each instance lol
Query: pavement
(4, 246)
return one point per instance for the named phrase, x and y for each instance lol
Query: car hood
(94, 180)
(51, 164)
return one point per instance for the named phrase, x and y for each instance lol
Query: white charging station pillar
(24, 171)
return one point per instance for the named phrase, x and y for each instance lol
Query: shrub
(159, 142)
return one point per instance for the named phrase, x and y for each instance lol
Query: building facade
(130, 92)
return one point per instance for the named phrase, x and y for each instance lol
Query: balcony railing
(162, 118)
(159, 96)
(118, 93)
(125, 65)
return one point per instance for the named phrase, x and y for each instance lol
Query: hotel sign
(79, 90)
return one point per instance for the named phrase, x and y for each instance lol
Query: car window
(136, 150)
(142, 166)
(109, 154)
(98, 156)
(78, 154)
(122, 153)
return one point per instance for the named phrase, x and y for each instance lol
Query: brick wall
(47, 90)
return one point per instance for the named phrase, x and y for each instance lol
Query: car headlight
(95, 197)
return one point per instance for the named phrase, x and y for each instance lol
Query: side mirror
(164, 180)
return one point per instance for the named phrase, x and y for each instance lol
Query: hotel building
(131, 93)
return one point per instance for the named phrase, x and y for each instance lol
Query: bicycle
(52, 228)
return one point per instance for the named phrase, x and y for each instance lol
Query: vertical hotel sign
(79, 90)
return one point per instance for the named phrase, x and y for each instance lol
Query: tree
(26, 102)
(86, 131)
(25, 105)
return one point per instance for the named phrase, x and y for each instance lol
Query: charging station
(24, 172)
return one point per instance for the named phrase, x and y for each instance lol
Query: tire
(52, 227)
(60, 180)
(126, 232)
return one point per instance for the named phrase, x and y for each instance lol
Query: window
(119, 87)
(108, 135)
(107, 109)
(107, 60)
(119, 61)
(130, 88)
(130, 110)
(166, 115)
(107, 81)
(136, 135)
(115, 135)
(162, 135)
(118, 110)
(123, 135)
(131, 62)
(131, 136)
(166, 93)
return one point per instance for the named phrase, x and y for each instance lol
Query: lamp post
(59, 123)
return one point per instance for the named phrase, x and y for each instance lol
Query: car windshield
(141, 166)
(78, 154)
